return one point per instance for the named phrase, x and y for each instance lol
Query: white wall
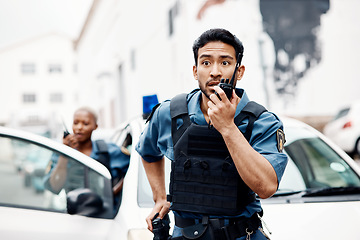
(122, 31)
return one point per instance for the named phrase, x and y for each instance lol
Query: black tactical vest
(204, 178)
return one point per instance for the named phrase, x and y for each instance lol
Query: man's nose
(215, 71)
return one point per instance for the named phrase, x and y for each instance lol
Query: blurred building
(128, 49)
(38, 83)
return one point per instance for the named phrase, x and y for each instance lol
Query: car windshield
(313, 164)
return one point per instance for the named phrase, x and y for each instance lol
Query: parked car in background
(318, 198)
(344, 128)
(41, 214)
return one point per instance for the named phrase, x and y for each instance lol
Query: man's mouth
(213, 83)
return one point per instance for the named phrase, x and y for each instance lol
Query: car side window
(25, 172)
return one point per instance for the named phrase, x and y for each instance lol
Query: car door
(29, 209)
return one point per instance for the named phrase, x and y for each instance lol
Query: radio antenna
(239, 58)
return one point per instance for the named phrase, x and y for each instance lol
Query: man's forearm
(155, 172)
(255, 170)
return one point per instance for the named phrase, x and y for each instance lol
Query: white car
(344, 128)
(318, 198)
(29, 214)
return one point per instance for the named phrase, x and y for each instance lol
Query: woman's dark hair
(214, 35)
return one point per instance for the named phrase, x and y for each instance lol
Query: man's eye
(225, 63)
(206, 63)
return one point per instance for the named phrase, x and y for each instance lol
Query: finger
(210, 103)
(66, 139)
(220, 92)
(164, 210)
(235, 98)
(148, 221)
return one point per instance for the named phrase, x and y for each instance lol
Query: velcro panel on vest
(191, 188)
(207, 145)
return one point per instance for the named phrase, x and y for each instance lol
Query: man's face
(83, 125)
(216, 60)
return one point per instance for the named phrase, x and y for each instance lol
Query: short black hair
(214, 35)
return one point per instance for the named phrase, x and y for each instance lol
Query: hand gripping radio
(226, 85)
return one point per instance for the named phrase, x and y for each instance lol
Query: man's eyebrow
(205, 56)
(208, 55)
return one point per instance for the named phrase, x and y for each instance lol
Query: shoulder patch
(280, 138)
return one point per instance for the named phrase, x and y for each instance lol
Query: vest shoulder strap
(252, 112)
(101, 145)
(178, 105)
(104, 157)
(179, 109)
(254, 108)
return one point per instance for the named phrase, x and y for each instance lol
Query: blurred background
(57, 55)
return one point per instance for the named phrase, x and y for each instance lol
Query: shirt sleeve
(155, 141)
(264, 140)
(118, 160)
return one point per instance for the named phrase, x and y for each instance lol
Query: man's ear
(195, 72)
(240, 72)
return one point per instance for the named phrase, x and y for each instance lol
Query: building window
(29, 98)
(28, 68)
(55, 68)
(56, 97)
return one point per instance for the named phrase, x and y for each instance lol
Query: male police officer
(223, 151)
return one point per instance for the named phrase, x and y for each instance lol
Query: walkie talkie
(66, 132)
(227, 86)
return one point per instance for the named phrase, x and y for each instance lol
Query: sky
(23, 19)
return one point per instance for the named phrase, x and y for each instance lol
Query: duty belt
(225, 229)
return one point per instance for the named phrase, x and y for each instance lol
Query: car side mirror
(84, 202)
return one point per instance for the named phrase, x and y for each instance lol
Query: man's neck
(204, 106)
